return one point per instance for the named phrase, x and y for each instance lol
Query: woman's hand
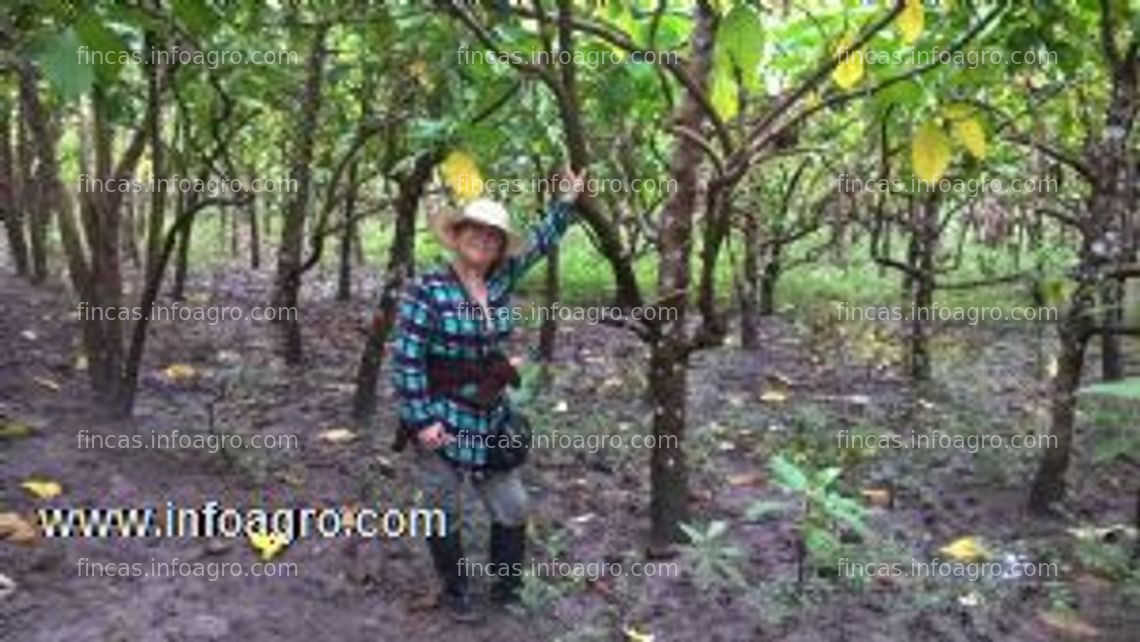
(434, 436)
(571, 185)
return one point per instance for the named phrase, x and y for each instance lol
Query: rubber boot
(446, 556)
(508, 544)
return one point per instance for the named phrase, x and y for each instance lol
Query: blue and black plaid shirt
(437, 319)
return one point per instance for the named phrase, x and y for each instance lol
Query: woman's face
(478, 245)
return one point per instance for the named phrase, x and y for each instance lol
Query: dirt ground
(587, 506)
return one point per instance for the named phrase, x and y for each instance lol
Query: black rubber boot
(446, 556)
(508, 544)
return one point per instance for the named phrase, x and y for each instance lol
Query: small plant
(824, 514)
(713, 558)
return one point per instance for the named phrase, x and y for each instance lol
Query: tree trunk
(31, 193)
(1049, 482)
(924, 244)
(287, 291)
(1111, 356)
(770, 277)
(401, 265)
(254, 234)
(669, 353)
(344, 275)
(9, 206)
(668, 470)
(548, 331)
(750, 310)
(182, 260)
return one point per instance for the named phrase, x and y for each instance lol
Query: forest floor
(587, 506)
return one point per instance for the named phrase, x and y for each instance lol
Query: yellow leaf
(773, 396)
(966, 549)
(81, 363)
(13, 430)
(724, 96)
(911, 20)
(419, 70)
(1052, 367)
(14, 528)
(42, 488)
(268, 545)
(178, 371)
(462, 176)
(930, 152)
(337, 435)
(635, 636)
(850, 69)
(969, 132)
(957, 111)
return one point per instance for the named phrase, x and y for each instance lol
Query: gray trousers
(445, 487)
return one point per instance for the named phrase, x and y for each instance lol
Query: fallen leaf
(636, 636)
(744, 479)
(773, 396)
(561, 406)
(47, 383)
(179, 371)
(1070, 623)
(877, 497)
(13, 430)
(30, 335)
(972, 598)
(966, 549)
(42, 488)
(267, 545)
(7, 586)
(16, 529)
(337, 435)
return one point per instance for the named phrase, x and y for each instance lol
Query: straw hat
(483, 211)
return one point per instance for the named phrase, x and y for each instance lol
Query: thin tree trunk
(1111, 355)
(10, 208)
(287, 292)
(773, 268)
(254, 233)
(344, 274)
(548, 331)
(182, 259)
(32, 200)
(750, 283)
(1049, 482)
(401, 266)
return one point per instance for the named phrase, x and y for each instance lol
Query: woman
(450, 374)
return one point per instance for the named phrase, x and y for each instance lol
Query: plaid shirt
(436, 318)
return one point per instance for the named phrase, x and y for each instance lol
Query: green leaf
(717, 529)
(788, 474)
(109, 50)
(1128, 388)
(739, 42)
(197, 15)
(1115, 446)
(58, 58)
(765, 508)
